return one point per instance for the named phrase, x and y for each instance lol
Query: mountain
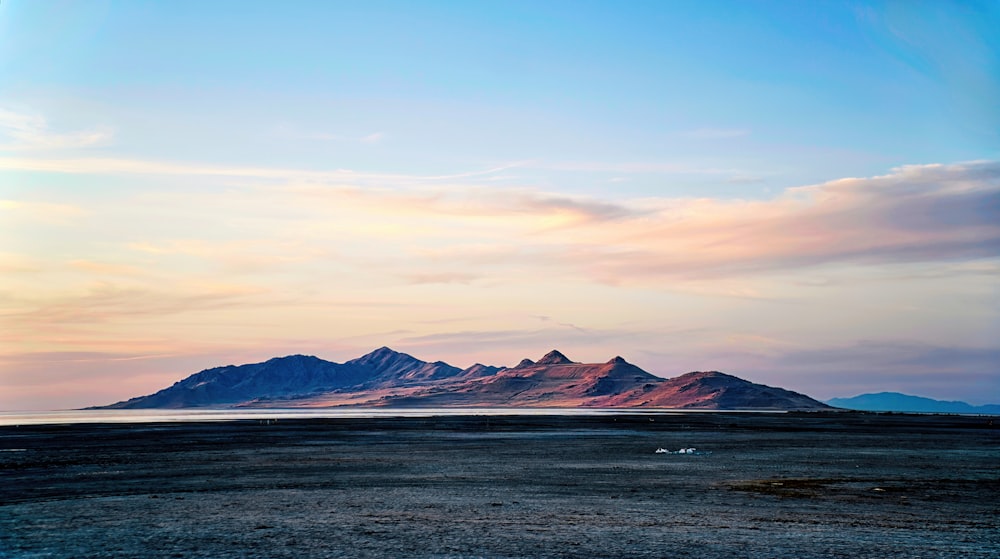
(387, 378)
(894, 401)
(551, 358)
(296, 377)
(552, 381)
(278, 377)
(480, 370)
(715, 390)
(390, 367)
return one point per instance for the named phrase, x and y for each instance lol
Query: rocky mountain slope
(279, 377)
(711, 390)
(389, 378)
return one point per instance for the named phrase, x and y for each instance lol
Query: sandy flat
(761, 485)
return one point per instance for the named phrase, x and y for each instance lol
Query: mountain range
(894, 401)
(387, 378)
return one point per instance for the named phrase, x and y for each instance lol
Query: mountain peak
(381, 354)
(384, 359)
(524, 363)
(709, 375)
(618, 360)
(291, 358)
(553, 358)
(386, 365)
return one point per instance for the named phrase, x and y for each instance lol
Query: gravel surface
(760, 485)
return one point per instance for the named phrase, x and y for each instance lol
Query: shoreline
(199, 415)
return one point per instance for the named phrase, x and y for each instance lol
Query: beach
(756, 485)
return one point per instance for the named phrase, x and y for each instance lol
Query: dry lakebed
(758, 485)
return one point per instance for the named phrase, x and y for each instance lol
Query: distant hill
(387, 378)
(894, 401)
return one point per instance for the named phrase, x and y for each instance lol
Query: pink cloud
(915, 214)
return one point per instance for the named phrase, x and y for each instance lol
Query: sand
(761, 485)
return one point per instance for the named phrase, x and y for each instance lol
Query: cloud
(405, 225)
(928, 214)
(121, 166)
(744, 179)
(633, 167)
(440, 277)
(507, 346)
(234, 256)
(32, 132)
(544, 318)
(470, 202)
(109, 302)
(586, 209)
(899, 357)
(13, 263)
(932, 213)
(106, 268)
(46, 212)
(373, 138)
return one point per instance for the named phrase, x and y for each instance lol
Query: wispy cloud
(121, 166)
(13, 263)
(744, 179)
(440, 277)
(110, 302)
(32, 132)
(633, 167)
(53, 213)
(507, 346)
(933, 213)
(536, 340)
(549, 319)
(106, 268)
(468, 201)
(235, 256)
(929, 213)
(914, 214)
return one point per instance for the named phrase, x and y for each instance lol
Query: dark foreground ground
(811, 485)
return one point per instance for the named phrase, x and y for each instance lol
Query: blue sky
(482, 180)
(788, 93)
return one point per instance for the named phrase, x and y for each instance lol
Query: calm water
(189, 415)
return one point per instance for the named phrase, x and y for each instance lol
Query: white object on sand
(690, 450)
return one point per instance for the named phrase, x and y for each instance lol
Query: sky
(802, 194)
